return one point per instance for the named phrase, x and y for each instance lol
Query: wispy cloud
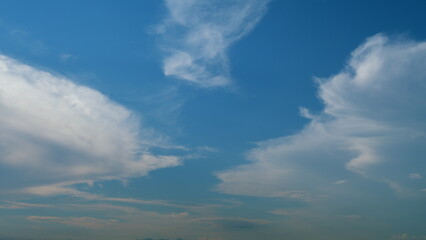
(415, 176)
(55, 132)
(20, 205)
(340, 182)
(115, 218)
(36, 218)
(224, 223)
(373, 126)
(198, 33)
(23, 38)
(406, 236)
(81, 222)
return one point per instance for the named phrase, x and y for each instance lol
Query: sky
(212, 120)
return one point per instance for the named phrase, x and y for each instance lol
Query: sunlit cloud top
(54, 131)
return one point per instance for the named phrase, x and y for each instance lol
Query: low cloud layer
(197, 35)
(373, 127)
(54, 132)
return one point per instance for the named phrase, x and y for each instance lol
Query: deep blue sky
(194, 126)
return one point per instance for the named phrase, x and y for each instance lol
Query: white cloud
(19, 205)
(406, 236)
(54, 132)
(226, 223)
(373, 125)
(81, 222)
(340, 182)
(279, 211)
(198, 33)
(415, 176)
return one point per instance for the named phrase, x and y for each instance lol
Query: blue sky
(212, 120)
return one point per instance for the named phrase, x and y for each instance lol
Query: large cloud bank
(53, 131)
(198, 33)
(373, 126)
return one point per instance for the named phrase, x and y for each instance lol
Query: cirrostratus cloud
(53, 131)
(373, 125)
(198, 33)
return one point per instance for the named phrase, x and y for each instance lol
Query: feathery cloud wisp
(198, 33)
